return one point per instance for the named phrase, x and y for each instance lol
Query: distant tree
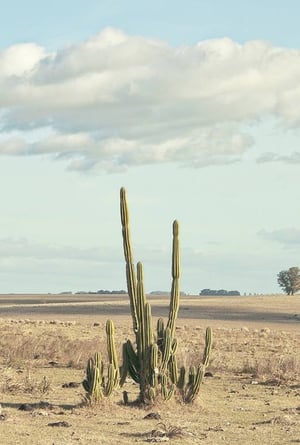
(233, 293)
(289, 280)
(207, 292)
(220, 292)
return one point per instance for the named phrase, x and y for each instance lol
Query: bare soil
(252, 395)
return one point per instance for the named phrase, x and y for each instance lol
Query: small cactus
(189, 390)
(95, 383)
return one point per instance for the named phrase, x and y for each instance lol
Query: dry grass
(16, 381)
(274, 370)
(253, 395)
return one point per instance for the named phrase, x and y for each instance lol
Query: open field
(253, 395)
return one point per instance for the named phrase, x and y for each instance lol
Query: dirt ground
(251, 396)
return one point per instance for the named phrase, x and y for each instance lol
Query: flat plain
(251, 396)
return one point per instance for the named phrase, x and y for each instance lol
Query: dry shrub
(281, 369)
(20, 347)
(14, 382)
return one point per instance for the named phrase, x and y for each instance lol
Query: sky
(193, 107)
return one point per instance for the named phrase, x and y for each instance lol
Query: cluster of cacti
(152, 362)
(96, 384)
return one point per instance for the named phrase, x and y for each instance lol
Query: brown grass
(253, 395)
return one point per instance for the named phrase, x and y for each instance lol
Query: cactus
(111, 350)
(95, 383)
(148, 365)
(151, 360)
(153, 363)
(189, 390)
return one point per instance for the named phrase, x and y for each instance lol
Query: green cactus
(95, 383)
(173, 369)
(151, 359)
(189, 390)
(152, 364)
(181, 382)
(111, 350)
(208, 346)
(167, 387)
(130, 270)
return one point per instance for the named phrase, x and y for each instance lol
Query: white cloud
(24, 248)
(289, 236)
(116, 101)
(289, 158)
(20, 60)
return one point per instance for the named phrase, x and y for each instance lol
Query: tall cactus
(96, 384)
(153, 363)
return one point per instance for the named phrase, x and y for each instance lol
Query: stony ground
(251, 396)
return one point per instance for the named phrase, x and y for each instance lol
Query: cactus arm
(194, 387)
(111, 379)
(208, 346)
(148, 326)
(124, 367)
(154, 365)
(96, 391)
(167, 350)
(160, 332)
(141, 313)
(175, 290)
(173, 369)
(182, 378)
(130, 270)
(167, 391)
(111, 348)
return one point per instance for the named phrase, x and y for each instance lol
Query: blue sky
(192, 106)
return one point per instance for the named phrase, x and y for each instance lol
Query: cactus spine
(153, 364)
(95, 383)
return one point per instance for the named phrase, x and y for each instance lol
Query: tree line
(221, 292)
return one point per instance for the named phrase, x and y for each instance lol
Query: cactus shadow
(38, 405)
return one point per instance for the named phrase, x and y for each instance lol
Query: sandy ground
(253, 396)
(278, 312)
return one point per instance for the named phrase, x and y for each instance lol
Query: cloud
(292, 158)
(29, 265)
(33, 264)
(11, 248)
(115, 101)
(18, 61)
(289, 237)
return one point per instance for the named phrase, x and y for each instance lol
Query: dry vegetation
(251, 395)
